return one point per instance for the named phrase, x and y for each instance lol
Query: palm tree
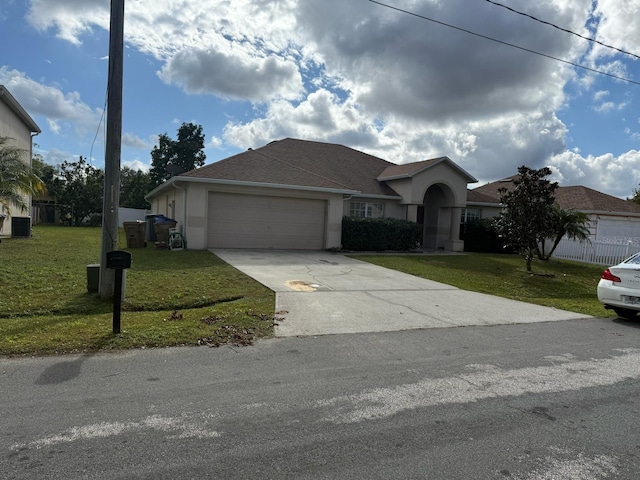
(571, 223)
(17, 179)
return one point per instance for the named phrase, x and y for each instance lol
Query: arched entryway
(440, 219)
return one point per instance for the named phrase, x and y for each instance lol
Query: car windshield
(635, 259)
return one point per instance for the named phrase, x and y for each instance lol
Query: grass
(172, 298)
(194, 298)
(560, 284)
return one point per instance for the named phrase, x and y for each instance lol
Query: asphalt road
(533, 401)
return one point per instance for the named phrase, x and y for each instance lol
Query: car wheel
(625, 313)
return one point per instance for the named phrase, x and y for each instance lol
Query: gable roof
(302, 163)
(408, 170)
(307, 165)
(580, 198)
(16, 108)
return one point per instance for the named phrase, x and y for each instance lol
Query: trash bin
(162, 226)
(151, 231)
(135, 232)
(93, 277)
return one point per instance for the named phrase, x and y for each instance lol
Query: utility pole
(111, 199)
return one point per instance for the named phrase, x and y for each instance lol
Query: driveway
(320, 293)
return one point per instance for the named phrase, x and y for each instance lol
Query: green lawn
(172, 298)
(560, 284)
(193, 298)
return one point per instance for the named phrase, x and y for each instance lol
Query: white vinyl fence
(599, 253)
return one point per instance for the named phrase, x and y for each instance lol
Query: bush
(481, 236)
(379, 234)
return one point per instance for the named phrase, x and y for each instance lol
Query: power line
(577, 65)
(564, 29)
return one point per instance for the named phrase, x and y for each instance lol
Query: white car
(619, 287)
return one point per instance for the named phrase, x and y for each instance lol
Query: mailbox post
(118, 260)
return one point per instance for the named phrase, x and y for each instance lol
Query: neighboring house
(611, 219)
(16, 123)
(293, 194)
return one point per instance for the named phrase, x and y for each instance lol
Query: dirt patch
(300, 286)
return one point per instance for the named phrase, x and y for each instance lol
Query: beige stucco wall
(12, 126)
(413, 189)
(192, 216)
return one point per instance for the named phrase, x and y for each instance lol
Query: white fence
(131, 215)
(599, 253)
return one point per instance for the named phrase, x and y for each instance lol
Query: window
(469, 215)
(366, 209)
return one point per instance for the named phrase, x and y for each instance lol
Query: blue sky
(356, 73)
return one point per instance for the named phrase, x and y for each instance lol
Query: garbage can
(151, 231)
(135, 232)
(162, 226)
(93, 277)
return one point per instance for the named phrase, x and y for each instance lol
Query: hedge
(380, 234)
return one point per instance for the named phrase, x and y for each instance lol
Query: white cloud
(600, 95)
(617, 176)
(372, 78)
(130, 140)
(136, 165)
(63, 111)
(232, 76)
(55, 157)
(71, 18)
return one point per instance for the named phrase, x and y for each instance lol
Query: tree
(571, 223)
(134, 185)
(17, 178)
(183, 154)
(525, 221)
(80, 196)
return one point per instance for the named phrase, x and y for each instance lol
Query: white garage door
(258, 221)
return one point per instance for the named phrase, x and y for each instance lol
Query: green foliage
(571, 223)
(134, 185)
(379, 234)
(525, 221)
(45, 306)
(480, 235)
(78, 189)
(186, 153)
(17, 178)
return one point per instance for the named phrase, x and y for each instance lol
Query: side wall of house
(13, 127)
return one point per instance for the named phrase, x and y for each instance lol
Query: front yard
(172, 297)
(194, 298)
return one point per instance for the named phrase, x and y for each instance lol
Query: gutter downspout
(33, 134)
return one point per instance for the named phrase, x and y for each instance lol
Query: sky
(423, 79)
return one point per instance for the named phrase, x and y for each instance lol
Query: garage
(261, 221)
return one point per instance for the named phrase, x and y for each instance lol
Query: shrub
(481, 236)
(379, 234)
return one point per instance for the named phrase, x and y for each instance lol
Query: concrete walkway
(319, 293)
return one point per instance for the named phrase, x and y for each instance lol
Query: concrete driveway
(319, 293)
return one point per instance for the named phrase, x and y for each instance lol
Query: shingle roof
(475, 196)
(580, 198)
(406, 169)
(302, 163)
(587, 199)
